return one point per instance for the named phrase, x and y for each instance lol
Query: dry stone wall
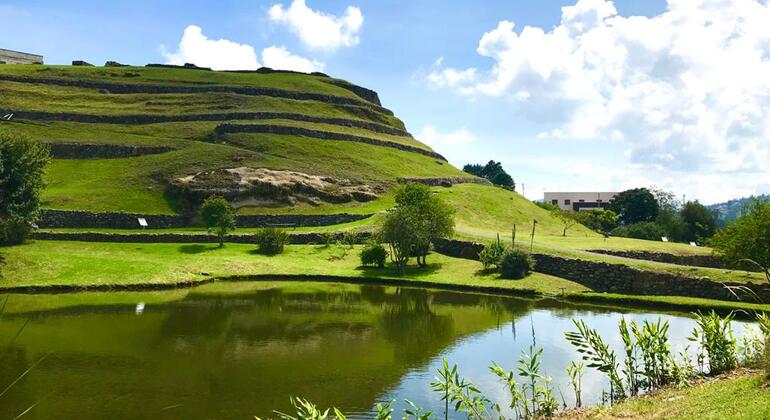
(711, 261)
(119, 220)
(618, 278)
(304, 238)
(101, 151)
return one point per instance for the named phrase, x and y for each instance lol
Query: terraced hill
(155, 140)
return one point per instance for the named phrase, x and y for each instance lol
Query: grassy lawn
(742, 397)
(61, 263)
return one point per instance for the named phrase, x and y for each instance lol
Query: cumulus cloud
(430, 136)
(195, 47)
(281, 58)
(319, 30)
(686, 90)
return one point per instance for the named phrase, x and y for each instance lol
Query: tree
(567, 219)
(22, 165)
(650, 231)
(748, 237)
(634, 206)
(598, 220)
(493, 172)
(218, 214)
(700, 221)
(418, 219)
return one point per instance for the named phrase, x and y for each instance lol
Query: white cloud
(433, 138)
(687, 91)
(220, 54)
(281, 58)
(223, 54)
(320, 30)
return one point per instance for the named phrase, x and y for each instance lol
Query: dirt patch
(266, 187)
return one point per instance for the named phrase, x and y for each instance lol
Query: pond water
(236, 350)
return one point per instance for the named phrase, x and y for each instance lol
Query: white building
(16, 57)
(577, 201)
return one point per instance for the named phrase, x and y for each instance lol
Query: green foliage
(306, 410)
(546, 206)
(217, 214)
(650, 231)
(700, 222)
(350, 239)
(493, 172)
(567, 219)
(534, 397)
(598, 220)
(598, 354)
(463, 395)
(715, 336)
(634, 206)
(575, 373)
(271, 241)
(374, 254)
(748, 238)
(492, 254)
(418, 219)
(516, 264)
(22, 165)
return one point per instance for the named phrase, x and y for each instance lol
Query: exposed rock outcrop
(265, 187)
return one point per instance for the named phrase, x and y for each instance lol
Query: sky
(580, 95)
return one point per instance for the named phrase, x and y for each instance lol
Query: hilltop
(156, 140)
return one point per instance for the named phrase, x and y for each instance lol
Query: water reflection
(239, 350)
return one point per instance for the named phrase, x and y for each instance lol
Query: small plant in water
(598, 355)
(715, 336)
(533, 398)
(575, 372)
(463, 395)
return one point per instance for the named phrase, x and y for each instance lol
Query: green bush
(271, 241)
(349, 239)
(516, 264)
(218, 214)
(492, 254)
(13, 231)
(374, 254)
(645, 230)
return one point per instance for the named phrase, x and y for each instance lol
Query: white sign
(664, 239)
(142, 222)
(693, 244)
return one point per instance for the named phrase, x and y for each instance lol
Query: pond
(236, 350)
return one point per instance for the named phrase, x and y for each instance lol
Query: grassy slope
(744, 397)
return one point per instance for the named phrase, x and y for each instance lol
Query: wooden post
(513, 236)
(532, 240)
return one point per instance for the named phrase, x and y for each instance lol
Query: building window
(555, 202)
(582, 201)
(567, 202)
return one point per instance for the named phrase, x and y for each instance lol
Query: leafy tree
(568, 219)
(22, 164)
(418, 219)
(598, 220)
(748, 238)
(700, 222)
(493, 172)
(650, 231)
(218, 214)
(635, 206)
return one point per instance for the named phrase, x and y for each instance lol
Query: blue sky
(599, 96)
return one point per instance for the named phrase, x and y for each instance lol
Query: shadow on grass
(198, 248)
(411, 271)
(486, 272)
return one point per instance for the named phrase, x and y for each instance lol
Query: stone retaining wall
(139, 119)
(120, 88)
(711, 261)
(446, 181)
(100, 151)
(304, 238)
(618, 278)
(119, 220)
(324, 135)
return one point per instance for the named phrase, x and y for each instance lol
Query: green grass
(63, 263)
(181, 77)
(743, 397)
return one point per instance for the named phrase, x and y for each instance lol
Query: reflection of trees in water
(416, 332)
(13, 363)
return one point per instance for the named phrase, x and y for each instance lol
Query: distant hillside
(157, 140)
(730, 210)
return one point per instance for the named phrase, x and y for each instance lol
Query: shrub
(492, 254)
(326, 238)
(516, 264)
(644, 230)
(374, 254)
(349, 239)
(271, 241)
(14, 230)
